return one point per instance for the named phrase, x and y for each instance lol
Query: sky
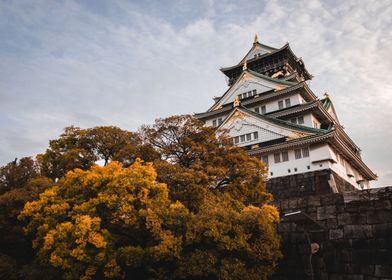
(126, 63)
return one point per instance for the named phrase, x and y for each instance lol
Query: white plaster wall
(271, 106)
(281, 169)
(208, 122)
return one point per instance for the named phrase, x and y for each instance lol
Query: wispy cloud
(127, 63)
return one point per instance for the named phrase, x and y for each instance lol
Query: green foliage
(82, 148)
(196, 161)
(199, 210)
(20, 182)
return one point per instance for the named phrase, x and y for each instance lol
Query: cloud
(127, 63)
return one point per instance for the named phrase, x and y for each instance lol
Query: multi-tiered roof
(268, 93)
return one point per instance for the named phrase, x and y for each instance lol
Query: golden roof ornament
(326, 95)
(245, 66)
(236, 102)
(256, 39)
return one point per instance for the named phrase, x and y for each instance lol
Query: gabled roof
(257, 44)
(278, 122)
(271, 51)
(275, 81)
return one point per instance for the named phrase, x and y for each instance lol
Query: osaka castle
(270, 111)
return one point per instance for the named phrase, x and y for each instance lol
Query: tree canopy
(171, 201)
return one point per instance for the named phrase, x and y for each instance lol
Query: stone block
(332, 223)
(367, 270)
(344, 219)
(335, 234)
(358, 231)
(326, 212)
(354, 277)
(313, 201)
(382, 230)
(382, 204)
(378, 217)
(383, 271)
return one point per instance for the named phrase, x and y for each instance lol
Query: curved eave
(312, 139)
(261, 97)
(289, 125)
(241, 63)
(353, 158)
(255, 74)
(224, 70)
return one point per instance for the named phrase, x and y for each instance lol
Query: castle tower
(270, 111)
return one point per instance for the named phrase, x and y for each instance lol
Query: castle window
(272, 173)
(285, 156)
(277, 157)
(254, 92)
(289, 170)
(214, 123)
(305, 152)
(308, 167)
(293, 120)
(236, 140)
(295, 169)
(287, 101)
(280, 104)
(265, 159)
(242, 138)
(301, 120)
(255, 135)
(257, 110)
(220, 121)
(297, 153)
(248, 137)
(263, 110)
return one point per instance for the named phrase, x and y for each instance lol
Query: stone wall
(305, 184)
(354, 232)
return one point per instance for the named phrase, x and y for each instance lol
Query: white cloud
(66, 63)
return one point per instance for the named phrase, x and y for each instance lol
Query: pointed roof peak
(256, 39)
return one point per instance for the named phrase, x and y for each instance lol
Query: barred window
(255, 135)
(298, 154)
(236, 140)
(248, 137)
(220, 121)
(265, 159)
(280, 105)
(257, 110)
(285, 156)
(301, 120)
(288, 103)
(214, 123)
(242, 138)
(277, 157)
(305, 152)
(263, 110)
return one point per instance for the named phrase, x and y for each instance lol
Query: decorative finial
(245, 66)
(326, 95)
(256, 39)
(236, 102)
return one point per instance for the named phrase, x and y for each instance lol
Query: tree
(114, 222)
(20, 182)
(195, 160)
(227, 240)
(83, 148)
(108, 222)
(72, 150)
